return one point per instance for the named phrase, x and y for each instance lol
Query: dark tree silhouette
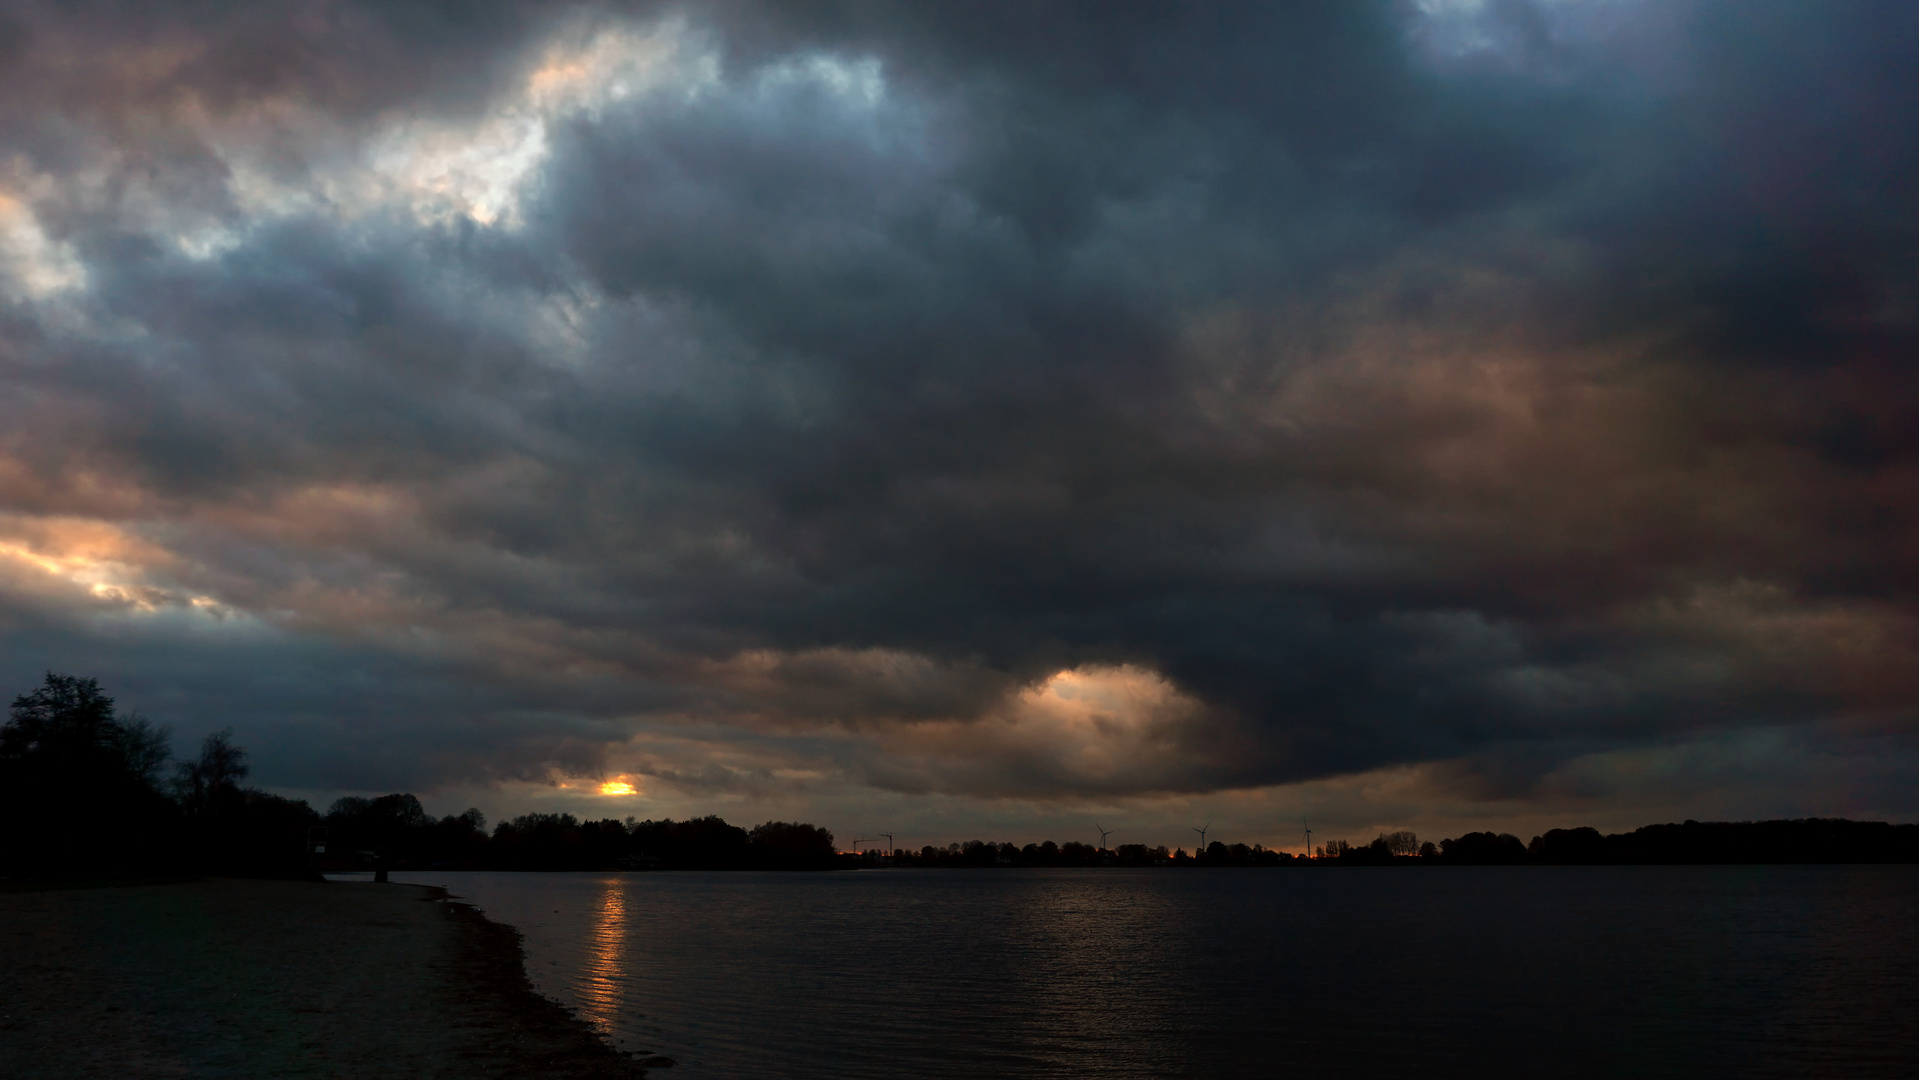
(68, 723)
(144, 748)
(1483, 847)
(232, 829)
(790, 845)
(77, 783)
(214, 778)
(1581, 845)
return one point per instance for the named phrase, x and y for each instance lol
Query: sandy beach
(250, 979)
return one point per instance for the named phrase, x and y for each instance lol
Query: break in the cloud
(1398, 412)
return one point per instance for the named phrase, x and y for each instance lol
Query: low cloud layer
(953, 412)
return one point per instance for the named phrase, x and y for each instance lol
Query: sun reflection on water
(601, 979)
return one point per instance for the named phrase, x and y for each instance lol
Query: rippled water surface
(1458, 971)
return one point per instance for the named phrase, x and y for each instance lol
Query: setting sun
(618, 787)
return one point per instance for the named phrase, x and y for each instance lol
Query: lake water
(1444, 971)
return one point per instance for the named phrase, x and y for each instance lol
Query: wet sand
(276, 979)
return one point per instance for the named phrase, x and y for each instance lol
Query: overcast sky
(960, 419)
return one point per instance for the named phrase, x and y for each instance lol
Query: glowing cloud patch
(618, 787)
(105, 562)
(1090, 728)
(38, 265)
(1099, 721)
(478, 172)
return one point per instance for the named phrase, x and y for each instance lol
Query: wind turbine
(1103, 834)
(1309, 837)
(1201, 830)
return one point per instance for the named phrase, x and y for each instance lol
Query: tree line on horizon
(1806, 840)
(402, 835)
(1801, 840)
(87, 790)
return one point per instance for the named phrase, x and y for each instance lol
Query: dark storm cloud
(1331, 387)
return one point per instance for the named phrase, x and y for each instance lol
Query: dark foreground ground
(275, 979)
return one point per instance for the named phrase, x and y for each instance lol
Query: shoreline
(248, 978)
(496, 952)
